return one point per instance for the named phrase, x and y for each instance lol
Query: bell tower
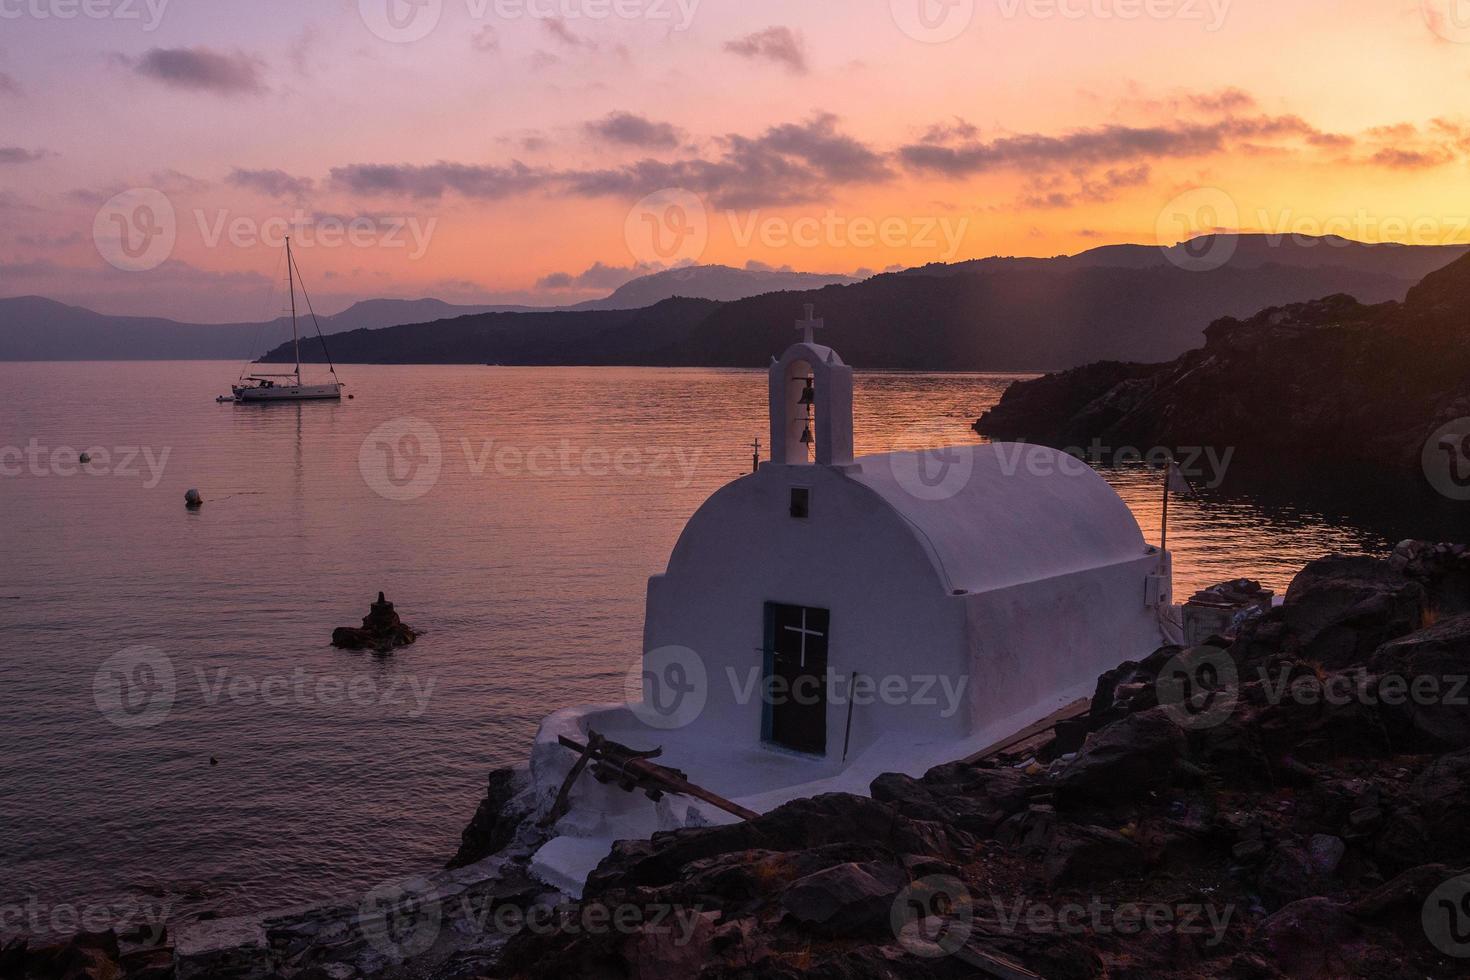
(811, 401)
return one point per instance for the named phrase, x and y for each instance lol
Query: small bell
(808, 394)
(806, 435)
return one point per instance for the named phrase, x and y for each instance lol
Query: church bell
(806, 434)
(808, 394)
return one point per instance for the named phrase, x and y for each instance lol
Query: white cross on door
(804, 634)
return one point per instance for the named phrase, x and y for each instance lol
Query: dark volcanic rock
(1433, 666)
(1124, 759)
(381, 630)
(849, 899)
(495, 822)
(1340, 610)
(1328, 382)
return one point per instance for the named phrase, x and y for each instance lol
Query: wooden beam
(1078, 707)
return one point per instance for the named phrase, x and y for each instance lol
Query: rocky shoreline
(1290, 801)
(1326, 383)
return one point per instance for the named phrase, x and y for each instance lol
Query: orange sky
(508, 153)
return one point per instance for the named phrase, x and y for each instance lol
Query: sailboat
(287, 387)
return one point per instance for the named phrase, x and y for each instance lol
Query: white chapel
(828, 618)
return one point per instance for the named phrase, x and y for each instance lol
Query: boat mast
(295, 339)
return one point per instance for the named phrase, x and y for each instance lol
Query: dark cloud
(276, 183)
(433, 180)
(1108, 144)
(1046, 193)
(202, 69)
(598, 276)
(780, 45)
(17, 154)
(788, 164)
(1399, 159)
(559, 30)
(949, 132)
(1226, 100)
(634, 130)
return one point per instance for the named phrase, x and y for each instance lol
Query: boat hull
(290, 393)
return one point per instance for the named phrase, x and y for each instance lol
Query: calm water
(559, 492)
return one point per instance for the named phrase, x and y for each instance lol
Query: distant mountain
(717, 282)
(1407, 262)
(33, 328)
(997, 315)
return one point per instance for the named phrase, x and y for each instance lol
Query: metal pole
(295, 340)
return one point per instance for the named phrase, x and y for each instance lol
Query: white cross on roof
(810, 324)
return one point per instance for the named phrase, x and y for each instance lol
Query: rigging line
(306, 296)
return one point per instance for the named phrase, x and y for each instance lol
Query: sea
(512, 515)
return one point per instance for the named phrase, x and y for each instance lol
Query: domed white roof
(1002, 514)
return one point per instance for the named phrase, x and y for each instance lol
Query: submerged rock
(381, 630)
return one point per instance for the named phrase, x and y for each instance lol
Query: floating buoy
(193, 500)
(84, 458)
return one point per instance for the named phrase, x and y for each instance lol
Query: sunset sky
(508, 153)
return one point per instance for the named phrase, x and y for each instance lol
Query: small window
(801, 502)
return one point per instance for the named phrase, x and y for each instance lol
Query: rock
(1442, 795)
(1340, 609)
(1430, 668)
(495, 821)
(381, 630)
(658, 952)
(1326, 853)
(850, 899)
(1124, 759)
(969, 799)
(1086, 855)
(1309, 939)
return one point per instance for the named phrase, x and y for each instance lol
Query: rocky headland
(1292, 800)
(1329, 382)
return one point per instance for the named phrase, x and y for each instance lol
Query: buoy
(84, 458)
(213, 761)
(192, 499)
